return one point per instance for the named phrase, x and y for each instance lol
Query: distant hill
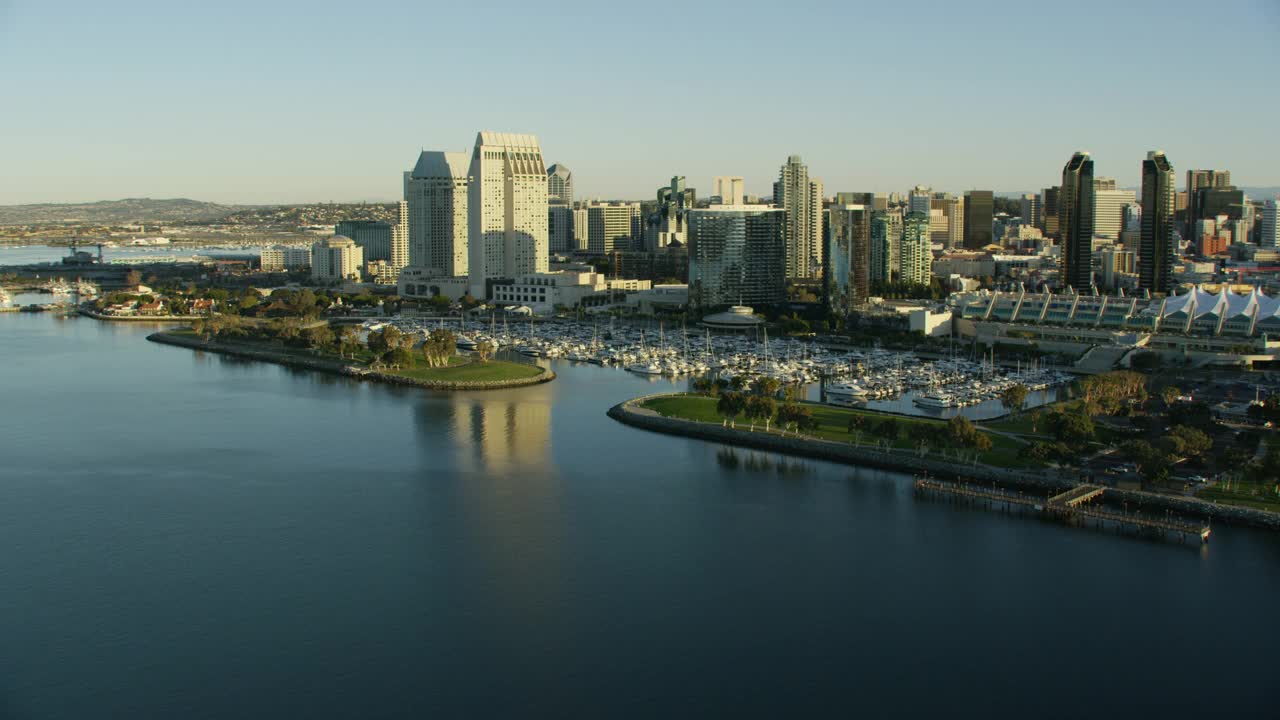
(116, 212)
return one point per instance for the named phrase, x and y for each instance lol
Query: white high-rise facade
(400, 237)
(1271, 224)
(508, 208)
(920, 200)
(436, 202)
(729, 188)
(1108, 207)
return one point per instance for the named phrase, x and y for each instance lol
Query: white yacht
(935, 400)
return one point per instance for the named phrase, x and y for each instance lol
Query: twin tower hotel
(476, 217)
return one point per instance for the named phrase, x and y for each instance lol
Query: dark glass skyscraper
(979, 210)
(1049, 213)
(1075, 222)
(846, 272)
(737, 255)
(1156, 253)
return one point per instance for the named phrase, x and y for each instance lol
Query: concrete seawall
(631, 413)
(340, 368)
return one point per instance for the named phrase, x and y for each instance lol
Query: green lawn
(833, 423)
(460, 369)
(474, 371)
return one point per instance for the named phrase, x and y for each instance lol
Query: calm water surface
(186, 535)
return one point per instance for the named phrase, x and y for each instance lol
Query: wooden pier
(1071, 507)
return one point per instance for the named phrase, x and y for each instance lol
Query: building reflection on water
(502, 435)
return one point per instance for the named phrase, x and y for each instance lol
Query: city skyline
(252, 112)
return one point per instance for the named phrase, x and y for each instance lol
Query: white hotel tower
(508, 207)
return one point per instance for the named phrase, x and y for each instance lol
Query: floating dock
(1071, 507)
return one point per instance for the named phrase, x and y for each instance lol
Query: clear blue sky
(282, 101)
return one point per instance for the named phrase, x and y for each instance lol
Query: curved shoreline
(344, 369)
(631, 413)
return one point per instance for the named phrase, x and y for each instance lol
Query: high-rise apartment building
(609, 227)
(1075, 222)
(1157, 252)
(1031, 210)
(880, 254)
(846, 272)
(373, 237)
(508, 209)
(669, 222)
(336, 259)
(920, 200)
(559, 185)
(915, 263)
(801, 198)
(1050, 210)
(581, 228)
(436, 194)
(1198, 180)
(729, 188)
(979, 210)
(1271, 224)
(737, 256)
(1109, 208)
(560, 228)
(400, 237)
(953, 209)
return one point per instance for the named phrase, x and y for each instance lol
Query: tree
(962, 431)
(1075, 427)
(701, 385)
(766, 386)
(795, 416)
(378, 344)
(889, 429)
(348, 341)
(1194, 442)
(758, 407)
(400, 357)
(856, 423)
(485, 350)
(132, 279)
(731, 405)
(439, 347)
(438, 303)
(1170, 394)
(319, 337)
(1014, 397)
(982, 442)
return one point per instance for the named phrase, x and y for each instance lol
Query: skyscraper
(920, 200)
(737, 255)
(979, 209)
(1271, 224)
(1050, 210)
(953, 208)
(801, 198)
(1198, 180)
(373, 237)
(881, 250)
(559, 185)
(508, 208)
(436, 196)
(1031, 210)
(1157, 252)
(560, 228)
(1075, 222)
(400, 237)
(846, 272)
(1109, 208)
(609, 227)
(915, 263)
(728, 188)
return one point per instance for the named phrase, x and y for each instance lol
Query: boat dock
(1071, 507)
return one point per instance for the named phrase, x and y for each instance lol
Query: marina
(875, 378)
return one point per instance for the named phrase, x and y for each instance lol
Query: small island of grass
(386, 356)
